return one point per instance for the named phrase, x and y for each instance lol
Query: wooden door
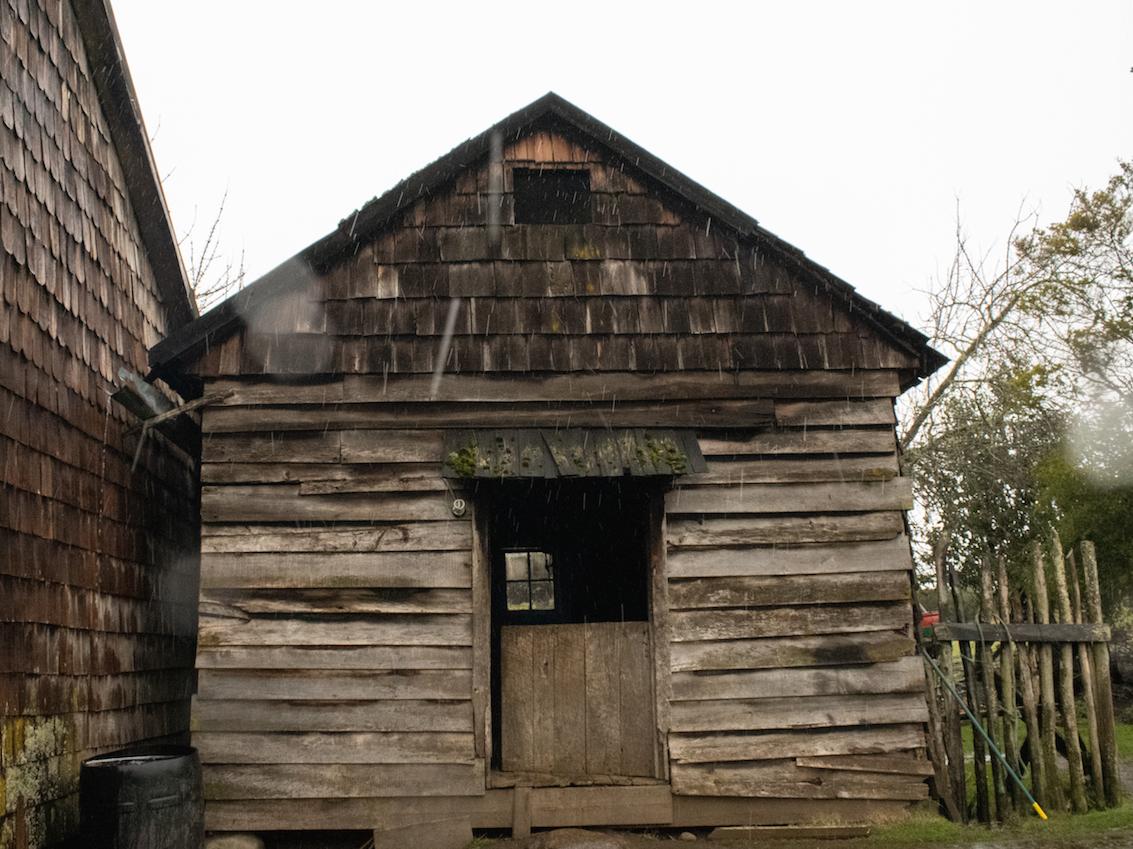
(577, 699)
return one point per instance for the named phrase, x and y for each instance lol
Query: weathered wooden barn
(98, 571)
(638, 557)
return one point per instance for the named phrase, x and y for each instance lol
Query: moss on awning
(571, 453)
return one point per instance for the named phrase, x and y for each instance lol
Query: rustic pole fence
(1008, 683)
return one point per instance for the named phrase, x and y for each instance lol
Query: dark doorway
(570, 634)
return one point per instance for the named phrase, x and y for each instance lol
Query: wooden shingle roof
(365, 223)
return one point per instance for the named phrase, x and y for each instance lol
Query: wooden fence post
(953, 738)
(991, 700)
(1066, 682)
(1026, 662)
(1089, 695)
(1041, 601)
(1107, 739)
(979, 748)
(1007, 682)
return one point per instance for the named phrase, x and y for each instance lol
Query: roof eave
(107, 61)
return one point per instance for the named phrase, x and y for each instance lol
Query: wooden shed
(551, 489)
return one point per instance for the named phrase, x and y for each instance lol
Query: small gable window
(551, 196)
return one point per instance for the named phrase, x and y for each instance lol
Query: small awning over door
(572, 453)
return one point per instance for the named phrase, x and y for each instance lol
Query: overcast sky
(850, 129)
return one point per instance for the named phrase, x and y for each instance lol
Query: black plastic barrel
(146, 797)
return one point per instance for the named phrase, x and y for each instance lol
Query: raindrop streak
(442, 351)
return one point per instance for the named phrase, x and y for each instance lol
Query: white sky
(849, 129)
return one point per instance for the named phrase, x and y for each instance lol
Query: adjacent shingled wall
(97, 564)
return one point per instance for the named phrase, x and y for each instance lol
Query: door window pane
(530, 580)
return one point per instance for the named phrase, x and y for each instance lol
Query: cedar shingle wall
(650, 285)
(97, 570)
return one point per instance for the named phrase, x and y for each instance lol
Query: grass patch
(931, 830)
(1124, 733)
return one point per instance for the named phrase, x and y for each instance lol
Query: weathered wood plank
(900, 676)
(340, 600)
(564, 807)
(782, 713)
(635, 695)
(303, 781)
(896, 494)
(329, 478)
(721, 780)
(771, 591)
(1023, 632)
(385, 747)
(283, 503)
(787, 621)
(691, 811)
(603, 716)
(906, 765)
(337, 657)
(335, 630)
(875, 740)
(370, 537)
(570, 702)
(815, 413)
(264, 715)
(891, 554)
(482, 662)
(852, 469)
(788, 771)
(320, 447)
(783, 530)
(392, 477)
(609, 386)
(841, 442)
(517, 683)
(391, 446)
(696, 413)
(334, 685)
(788, 652)
(494, 810)
(388, 569)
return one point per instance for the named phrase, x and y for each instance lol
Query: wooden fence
(1032, 663)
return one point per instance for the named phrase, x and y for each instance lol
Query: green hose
(976, 724)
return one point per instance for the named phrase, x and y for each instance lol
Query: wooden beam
(700, 414)
(1023, 633)
(610, 386)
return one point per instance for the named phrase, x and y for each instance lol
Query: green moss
(665, 452)
(465, 461)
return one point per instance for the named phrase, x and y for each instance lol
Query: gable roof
(107, 61)
(359, 227)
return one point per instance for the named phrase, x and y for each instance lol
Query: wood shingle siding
(98, 571)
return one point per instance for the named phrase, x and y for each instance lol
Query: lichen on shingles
(41, 767)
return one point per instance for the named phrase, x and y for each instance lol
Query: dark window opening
(570, 551)
(551, 197)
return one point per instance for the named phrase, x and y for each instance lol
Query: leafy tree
(1085, 489)
(975, 465)
(1030, 424)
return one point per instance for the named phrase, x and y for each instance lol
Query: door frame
(483, 652)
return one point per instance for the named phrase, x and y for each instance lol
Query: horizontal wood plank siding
(790, 611)
(336, 623)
